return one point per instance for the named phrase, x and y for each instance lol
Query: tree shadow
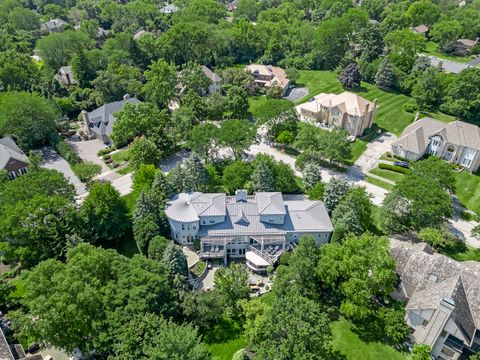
(224, 331)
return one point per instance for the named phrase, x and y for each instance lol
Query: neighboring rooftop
(10, 150)
(420, 29)
(427, 278)
(279, 77)
(467, 42)
(102, 118)
(416, 136)
(54, 24)
(169, 9)
(346, 102)
(210, 74)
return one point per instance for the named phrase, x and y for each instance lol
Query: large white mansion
(258, 227)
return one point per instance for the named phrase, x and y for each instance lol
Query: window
(204, 221)
(212, 221)
(183, 227)
(194, 227)
(424, 323)
(234, 252)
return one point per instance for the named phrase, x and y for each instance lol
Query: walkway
(192, 256)
(208, 282)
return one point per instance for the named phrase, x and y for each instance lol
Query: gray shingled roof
(244, 217)
(188, 207)
(416, 136)
(210, 74)
(102, 119)
(10, 150)
(432, 277)
(270, 203)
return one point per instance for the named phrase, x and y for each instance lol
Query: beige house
(346, 110)
(442, 299)
(457, 142)
(268, 76)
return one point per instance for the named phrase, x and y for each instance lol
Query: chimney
(241, 195)
(417, 115)
(86, 122)
(126, 97)
(69, 81)
(367, 107)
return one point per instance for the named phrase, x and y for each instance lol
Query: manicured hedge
(398, 169)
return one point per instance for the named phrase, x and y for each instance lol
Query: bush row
(397, 169)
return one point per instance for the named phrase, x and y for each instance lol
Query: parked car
(403, 164)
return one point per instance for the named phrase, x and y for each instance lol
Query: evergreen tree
(312, 174)
(384, 78)
(350, 77)
(333, 192)
(175, 260)
(262, 178)
(195, 174)
(162, 187)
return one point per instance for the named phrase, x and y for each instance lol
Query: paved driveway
(87, 150)
(56, 162)
(449, 66)
(295, 94)
(368, 160)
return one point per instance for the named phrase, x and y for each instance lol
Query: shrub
(86, 171)
(198, 268)
(270, 269)
(398, 169)
(410, 107)
(285, 258)
(468, 216)
(267, 287)
(108, 161)
(115, 164)
(67, 152)
(400, 158)
(240, 355)
(106, 157)
(107, 150)
(196, 244)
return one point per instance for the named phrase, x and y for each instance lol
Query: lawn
(225, 351)
(19, 288)
(469, 254)
(120, 156)
(432, 49)
(224, 340)
(388, 174)
(378, 182)
(263, 108)
(468, 190)
(390, 114)
(358, 148)
(353, 348)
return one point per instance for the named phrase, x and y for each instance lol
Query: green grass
(433, 50)
(19, 288)
(120, 156)
(469, 254)
(124, 171)
(390, 114)
(358, 148)
(263, 108)
(353, 348)
(388, 174)
(379, 183)
(468, 190)
(198, 268)
(225, 351)
(268, 298)
(130, 200)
